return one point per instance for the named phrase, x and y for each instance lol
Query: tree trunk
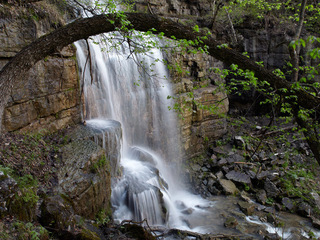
(312, 137)
(295, 52)
(83, 28)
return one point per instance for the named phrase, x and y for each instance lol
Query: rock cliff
(48, 97)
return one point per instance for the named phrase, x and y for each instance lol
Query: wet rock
(296, 235)
(246, 208)
(141, 155)
(180, 205)
(271, 188)
(231, 222)
(239, 142)
(239, 177)
(271, 218)
(245, 196)
(228, 187)
(288, 203)
(315, 222)
(272, 236)
(269, 210)
(304, 209)
(261, 196)
(188, 211)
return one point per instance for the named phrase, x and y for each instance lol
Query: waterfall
(133, 89)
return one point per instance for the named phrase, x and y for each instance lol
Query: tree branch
(83, 28)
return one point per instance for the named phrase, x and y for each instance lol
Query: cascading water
(116, 87)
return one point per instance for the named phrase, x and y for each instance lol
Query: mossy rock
(86, 234)
(57, 213)
(24, 204)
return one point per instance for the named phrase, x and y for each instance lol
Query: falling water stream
(133, 89)
(118, 87)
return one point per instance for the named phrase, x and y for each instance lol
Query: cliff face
(47, 98)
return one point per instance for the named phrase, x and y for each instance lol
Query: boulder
(57, 213)
(85, 177)
(288, 203)
(304, 209)
(239, 177)
(228, 187)
(231, 222)
(188, 211)
(261, 196)
(271, 188)
(246, 208)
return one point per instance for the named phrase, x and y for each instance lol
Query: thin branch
(89, 57)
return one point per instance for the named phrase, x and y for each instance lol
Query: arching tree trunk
(83, 28)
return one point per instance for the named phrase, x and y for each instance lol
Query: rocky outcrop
(48, 97)
(178, 7)
(202, 104)
(85, 175)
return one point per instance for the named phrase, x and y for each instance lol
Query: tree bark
(310, 133)
(83, 28)
(295, 52)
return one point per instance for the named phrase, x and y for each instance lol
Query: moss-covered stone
(86, 234)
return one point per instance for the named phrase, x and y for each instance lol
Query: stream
(133, 89)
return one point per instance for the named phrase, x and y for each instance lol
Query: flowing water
(134, 91)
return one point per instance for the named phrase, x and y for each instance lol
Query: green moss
(103, 217)
(86, 234)
(102, 162)
(23, 205)
(27, 230)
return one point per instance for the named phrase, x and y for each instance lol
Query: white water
(149, 187)
(150, 151)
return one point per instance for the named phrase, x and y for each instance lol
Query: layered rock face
(88, 165)
(48, 97)
(179, 7)
(202, 103)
